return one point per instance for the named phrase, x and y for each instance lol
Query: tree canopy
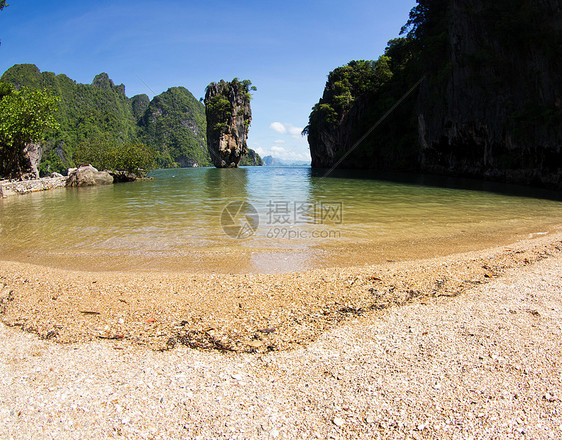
(26, 116)
(135, 157)
(345, 84)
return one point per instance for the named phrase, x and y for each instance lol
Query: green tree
(25, 117)
(132, 157)
(345, 84)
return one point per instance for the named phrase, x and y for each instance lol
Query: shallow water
(282, 219)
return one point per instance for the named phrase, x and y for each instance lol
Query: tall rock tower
(227, 107)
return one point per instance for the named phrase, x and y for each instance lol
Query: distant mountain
(173, 123)
(270, 161)
(251, 159)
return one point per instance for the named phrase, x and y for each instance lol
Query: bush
(130, 157)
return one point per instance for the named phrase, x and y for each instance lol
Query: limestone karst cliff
(228, 111)
(497, 110)
(488, 105)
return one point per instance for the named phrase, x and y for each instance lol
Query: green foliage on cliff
(358, 95)
(175, 122)
(99, 115)
(345, 84)
(220, 107)
(87, 113)
(26, 116)
(488, 102)
(221, 110)
(355, 97)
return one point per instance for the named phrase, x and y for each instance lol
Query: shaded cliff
(228, 111)
(488, 105)
(355, 97)
(496, 110)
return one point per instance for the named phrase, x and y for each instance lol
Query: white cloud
(277, 151)
(286, 128)
(278, 127)
(294, 131)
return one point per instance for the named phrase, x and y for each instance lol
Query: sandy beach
(464, 346)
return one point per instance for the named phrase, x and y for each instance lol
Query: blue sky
(285, 48)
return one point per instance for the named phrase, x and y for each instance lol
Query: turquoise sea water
(265, 219)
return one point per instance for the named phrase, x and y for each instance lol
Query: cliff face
(355, 98)
(497, 114)
(227, 107)
(489, 105)
(329, 142)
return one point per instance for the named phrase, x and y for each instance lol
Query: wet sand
(238, 312)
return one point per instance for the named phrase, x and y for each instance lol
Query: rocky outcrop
(489, 106)
(227, 107)
(87, 175)
(34, 152)
(252, 159)
(498, 112)
(329, 142)
(123, 176)
(12, 188)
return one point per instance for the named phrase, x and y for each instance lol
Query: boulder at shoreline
(87, 175)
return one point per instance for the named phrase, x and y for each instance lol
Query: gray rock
(227, 107)
(87, 175)
(18, 187)
(123, 176)
(34, 152)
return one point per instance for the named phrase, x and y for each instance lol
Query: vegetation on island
(174, 123)
(345, 84)
(26, 116)
(220, 107)
(97, 123)
(228, 113)
(357, 95)
(251, 159)
(133, 157)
